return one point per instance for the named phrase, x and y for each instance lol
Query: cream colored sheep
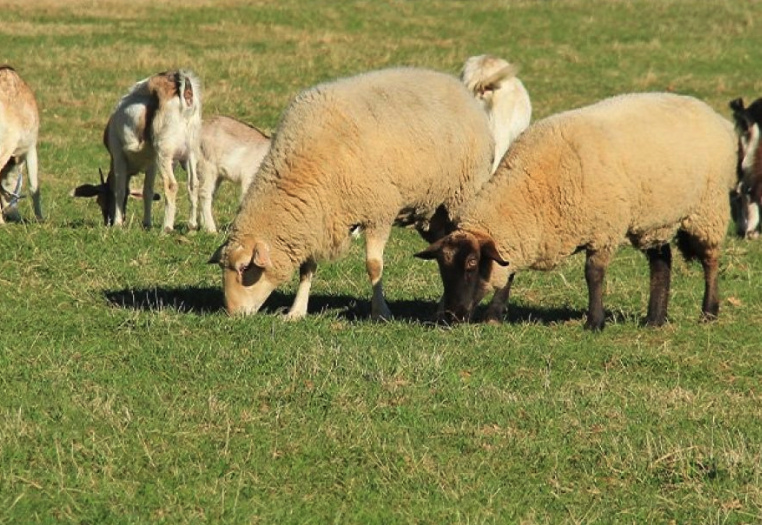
(19, 126)
(155, 126)
(397, 146)
(494, 83)
(230, 150)
(641, 168)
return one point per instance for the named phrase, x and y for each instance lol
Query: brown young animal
(19, 126)
(640, 168)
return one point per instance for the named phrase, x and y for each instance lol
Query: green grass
(128, 396)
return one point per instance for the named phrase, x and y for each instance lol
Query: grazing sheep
(640, 168)
(19, 126)
(494, 83)
(154, 126)
(230, 150)
(748, 197)
(397, 146)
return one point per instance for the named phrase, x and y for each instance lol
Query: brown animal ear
(488, 249)
(86, 190)
(261, 256)
(431, 252)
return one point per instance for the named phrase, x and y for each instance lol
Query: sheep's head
(251, 270)
(104, 196)
(465, 264)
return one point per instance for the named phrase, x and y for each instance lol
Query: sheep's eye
(471, 264)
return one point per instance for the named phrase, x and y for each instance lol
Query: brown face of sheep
(248, 275)
(104, 196)
(465, 263)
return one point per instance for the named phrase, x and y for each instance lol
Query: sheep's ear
(431, 252)
(86, 190)
(261, 256)
(216, 257)
(488, 249)
(736, 105)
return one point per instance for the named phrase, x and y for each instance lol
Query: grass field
(127, 395)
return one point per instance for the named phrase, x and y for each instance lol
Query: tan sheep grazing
(643, 168)
(397, 146)
(19, 126)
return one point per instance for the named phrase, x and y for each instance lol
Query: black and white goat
(748, 195)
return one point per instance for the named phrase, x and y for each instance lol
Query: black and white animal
(748, 195)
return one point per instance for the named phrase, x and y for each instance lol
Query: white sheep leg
(170, 194)
(375, 242)
(34, 188)
(299, 307)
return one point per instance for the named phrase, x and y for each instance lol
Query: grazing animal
(493, 82)
(397, 146)
(155, 126)
(19, 126)
(748, 196)
(230, 150)
(643, 168)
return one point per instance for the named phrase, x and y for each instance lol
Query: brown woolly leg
(595, 271)
(710, 307)
(660, 263)
(375, 241)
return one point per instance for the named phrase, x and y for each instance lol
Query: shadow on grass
(210, 300)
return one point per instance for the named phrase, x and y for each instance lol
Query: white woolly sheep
(748, 196)
(397, 146)
(493, 82)
(19, 126)
(154, 126)
(642, 168)
(230, 150)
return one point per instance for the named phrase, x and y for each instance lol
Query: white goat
(154, 126)
(19, 125)
(493, 82)
(230, 150)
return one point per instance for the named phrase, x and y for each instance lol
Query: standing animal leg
(660, 263)
(6, 173)
(299, 307)
(170, 193)
(375, 242)
(595, 271)
(148, 185)
(119, 189)
(208, 183)
(191, 169)
(497, 305)
(34, 188)
(710, 261)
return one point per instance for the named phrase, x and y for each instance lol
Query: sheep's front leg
(595, 271)
(34, 188)
(375, 242)
(299, 307)
(660, 263)
(499, 300)
(191, 169)
(170, 193)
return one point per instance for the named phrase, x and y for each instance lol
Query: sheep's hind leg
(710, 261)
(299, 307)
(595, 271)
(660, 263)
(375, 241)
(34, 188)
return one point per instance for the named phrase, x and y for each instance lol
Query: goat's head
(251, 270)
(465, 264)
(485, 74)
(104, 196)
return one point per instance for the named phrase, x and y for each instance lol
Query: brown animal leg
(299, 307)
(595, 271)
(497, 305)
(660, 263)
(710, 307)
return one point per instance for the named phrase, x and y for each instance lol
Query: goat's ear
(736, 105)
(86, 190)
(431, 252)
(216, 257)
